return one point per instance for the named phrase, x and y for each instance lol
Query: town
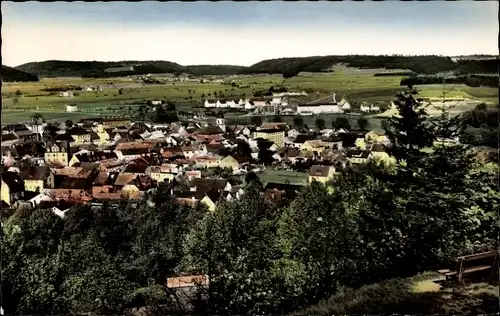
(55, 166)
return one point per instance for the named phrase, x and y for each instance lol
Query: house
(364, 108)
(71, 108)
(206, 161)
(103, 183)
(358, 156)
(9, 139)
(210, 103)
(234, 162)
(67, 94)
(112, 123)
(377, 137)
(332, 142)
(207, 184)
(80, 136)
(190, 174)
(360, 143)
(163, 173)
(188, 151)
(34, 178)
(156, 102)
(211, 198)
(379, 151)
(12, 187)
(314, 146)
(274, 135)
(132, 153)
(137, 166)
(189, 198)
(57, 154)
(321, 174)
(131, 185)
(344, 105)
(91, 156)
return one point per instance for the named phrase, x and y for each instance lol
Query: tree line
(372, 222)
(469, 80)
(290, 67)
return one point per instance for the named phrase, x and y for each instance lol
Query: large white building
(324, 105)
(319, 108)
(224, 103)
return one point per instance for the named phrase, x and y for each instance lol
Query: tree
(235, 246)
(18, 93)
(320, 123)
(276, 119)
(363, 123)
(68, 123)
(251, 178)
(256, 120)
(409, 131)
(341, 122)
(120, 91)
(320, 247)
(298, 122)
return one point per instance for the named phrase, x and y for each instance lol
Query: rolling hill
(419, 64)
(60, 68)
(11, 74)
(287, 66)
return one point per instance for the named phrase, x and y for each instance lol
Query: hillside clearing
(415, 295)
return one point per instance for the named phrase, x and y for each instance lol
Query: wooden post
(460, 269)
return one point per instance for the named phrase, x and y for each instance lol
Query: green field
(356, 86)
(283, 176)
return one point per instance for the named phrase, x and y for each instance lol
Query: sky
(243, 33)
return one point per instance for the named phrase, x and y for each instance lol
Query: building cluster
(284, 103)
(99, 160)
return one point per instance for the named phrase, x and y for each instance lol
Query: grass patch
(283, 176)
(415, 295)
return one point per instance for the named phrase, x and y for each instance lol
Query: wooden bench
(471, 264)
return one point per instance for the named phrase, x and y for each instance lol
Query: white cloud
(185, 44)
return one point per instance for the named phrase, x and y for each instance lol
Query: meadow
(355, 86)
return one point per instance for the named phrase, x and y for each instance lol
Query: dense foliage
(374, 221)
(289, 67)
(57, 68)
(481, 126)
(10, 74)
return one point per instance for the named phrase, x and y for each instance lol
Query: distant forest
(470, 80)
(97, 69)
(11, 74)
(288, 67)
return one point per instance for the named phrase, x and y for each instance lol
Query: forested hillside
(10, 74)
(417, 64)
(372, 222)
(60, 68)
(285, 66)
